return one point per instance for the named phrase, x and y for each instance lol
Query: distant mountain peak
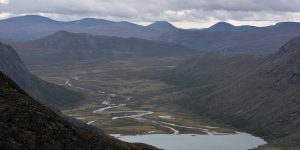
(33, 17)
(62, 32)
(30, 19)
(161, 22)
(287, 25)
(92, 21)
(221, 26)
(162, 26)
(63, 35)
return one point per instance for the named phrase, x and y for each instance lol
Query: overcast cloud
(182, 13)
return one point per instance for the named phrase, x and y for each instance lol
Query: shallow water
(239, 141)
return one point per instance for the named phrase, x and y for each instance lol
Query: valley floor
(120, 89)
(121, 99)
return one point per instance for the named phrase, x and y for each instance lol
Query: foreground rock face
(27, 124)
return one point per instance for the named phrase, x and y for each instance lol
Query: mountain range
(33, 27)
(222, 36)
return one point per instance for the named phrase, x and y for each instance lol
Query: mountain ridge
(67, 46)
(240, 39)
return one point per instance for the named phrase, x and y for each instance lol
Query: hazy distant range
(222, 36)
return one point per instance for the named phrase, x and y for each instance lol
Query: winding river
(212, 140)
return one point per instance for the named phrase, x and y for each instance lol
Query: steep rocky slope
(260, 95)
(27, 124)
(12, 65)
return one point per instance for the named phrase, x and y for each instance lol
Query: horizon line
(231, 22)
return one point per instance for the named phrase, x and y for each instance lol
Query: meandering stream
(211, 141)
(138, 115)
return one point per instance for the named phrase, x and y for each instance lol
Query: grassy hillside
(260, 95)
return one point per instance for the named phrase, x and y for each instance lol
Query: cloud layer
(185, 13)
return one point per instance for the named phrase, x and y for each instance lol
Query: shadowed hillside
(27, 124)
(49, 93)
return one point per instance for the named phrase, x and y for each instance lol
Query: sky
(181, 13)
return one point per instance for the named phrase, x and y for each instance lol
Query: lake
(238, 141)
